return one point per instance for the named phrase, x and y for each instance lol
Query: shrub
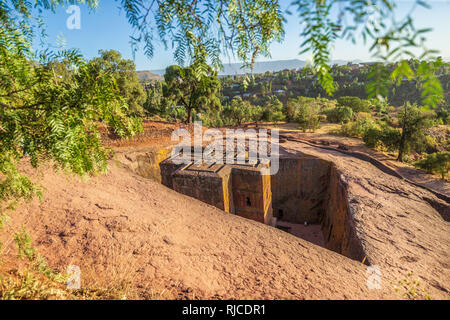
(430, 144)
(294, 104)
(389, 137)
(344, 114)
(308, 117)
(348, 130)
(444, 116)
(340, 114)
(386, 118)
(273, 110)
(378, 105)
(372, 137)
(438, 162)
(355, 103)
(362, 116)
(277, 116)
(327, 112)
(394, 122)
(391, 109)
(356, 129)
(414, 126)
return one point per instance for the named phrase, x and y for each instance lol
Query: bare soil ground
(120, 226)
(131, 227)
(311, 233)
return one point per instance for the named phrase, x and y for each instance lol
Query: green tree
(413, 122)
(51, 107)
(355, 103)
(206, 29)
(124, 72)
(273, 110)
(194, 87)
(340, 114)
(308, 117)
(386, 137)
(438, 162)
(155, 100)
(238, 112)
(444, 115)
(257, 114)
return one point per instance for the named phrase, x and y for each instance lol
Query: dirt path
(406, 170)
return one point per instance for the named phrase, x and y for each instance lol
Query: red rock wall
(251, 195)
(306, 189)
(310, 189)
(299, 190)
(338, 226)
(204, 187)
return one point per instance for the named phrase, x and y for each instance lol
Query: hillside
(147, 75)
(260, 67)
(123, 227)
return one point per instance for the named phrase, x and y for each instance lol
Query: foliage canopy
(124, 73)
(438, 162)
(205, 29)
(51, 104)
(194, 87)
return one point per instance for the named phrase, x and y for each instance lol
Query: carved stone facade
(305, 189)
(238, 189)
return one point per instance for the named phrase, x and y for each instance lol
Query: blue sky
(107, 28)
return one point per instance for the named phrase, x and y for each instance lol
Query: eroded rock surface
(123, 225)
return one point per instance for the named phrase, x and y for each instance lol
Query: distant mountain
(148, 75)
(263, 66)
(259, 67)
(342, 62)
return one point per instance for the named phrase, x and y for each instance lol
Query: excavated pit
(310, 199)
(306, 198)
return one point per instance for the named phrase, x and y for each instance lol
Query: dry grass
(28, 284)
(26, 276)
